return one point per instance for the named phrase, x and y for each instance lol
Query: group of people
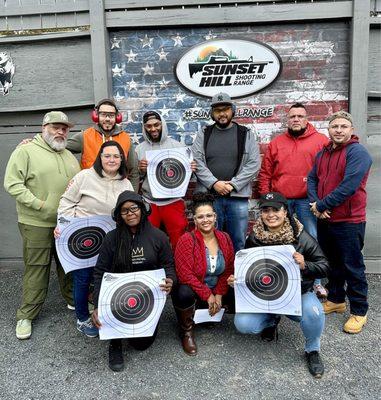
(312, 196)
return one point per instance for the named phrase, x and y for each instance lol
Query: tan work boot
(355, 323)
(24, 329)
(330, 307)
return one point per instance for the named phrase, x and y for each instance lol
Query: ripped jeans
(311, 321)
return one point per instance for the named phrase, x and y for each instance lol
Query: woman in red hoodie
(204, 259)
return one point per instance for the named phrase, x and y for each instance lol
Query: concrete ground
(59, 363)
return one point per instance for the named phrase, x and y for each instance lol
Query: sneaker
(87, 328)
(330, 307)
(355, 323)
(320, 291)
(24, 329)
(115, 355)
(70, 307)
(271, 332)
(315, 364)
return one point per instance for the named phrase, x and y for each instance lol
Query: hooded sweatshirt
(338, 179)
(36, 176)
(165, 143)
(88, 194)
(287, 162)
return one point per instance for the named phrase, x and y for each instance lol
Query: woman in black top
(134, 235)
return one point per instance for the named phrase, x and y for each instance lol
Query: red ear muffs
(95, 117)
(118, 118)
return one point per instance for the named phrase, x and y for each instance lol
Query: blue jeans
(301, 207)
(342, 243)
(311, 321)
(81, 281)
(233, 218)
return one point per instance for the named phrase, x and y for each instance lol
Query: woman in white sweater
(93, 192)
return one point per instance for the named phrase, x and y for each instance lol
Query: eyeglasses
(204, 216)
(343, 127)
(132, 209)
(110, 115)
(109, 156)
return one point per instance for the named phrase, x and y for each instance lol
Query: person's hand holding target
(142, 165)
(95, 319)
(299, 259)
(166, 286)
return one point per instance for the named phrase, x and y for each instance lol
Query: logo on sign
(237, 67)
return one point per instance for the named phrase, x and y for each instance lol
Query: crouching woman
(277, 227)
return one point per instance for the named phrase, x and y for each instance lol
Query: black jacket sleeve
(316, 263)
(104, 263)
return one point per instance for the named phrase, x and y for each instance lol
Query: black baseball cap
(272, 199)
(149, 115)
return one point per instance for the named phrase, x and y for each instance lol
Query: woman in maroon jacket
(204, 259)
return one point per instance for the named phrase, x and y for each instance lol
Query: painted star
(178, 40)
(210, 36)
(162, 55)
(147, 70)
(115, 43)
(163, 83)
(116, 71)
(147, 42)
(132, 85)
(180, 97)
(118, 97)
(131, 56)
(135, 139)
(180, 124)
(164, 111)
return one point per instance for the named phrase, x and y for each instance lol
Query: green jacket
(36, 176)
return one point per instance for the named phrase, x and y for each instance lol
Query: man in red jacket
(336, 189)
(285, 167)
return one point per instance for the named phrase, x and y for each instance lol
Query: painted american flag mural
(315, 72)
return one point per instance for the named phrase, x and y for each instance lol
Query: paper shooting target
(80, 240)
(268, 281)
(130, 304)
(169, 172)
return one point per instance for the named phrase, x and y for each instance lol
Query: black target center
(267, 279)
(132, 303)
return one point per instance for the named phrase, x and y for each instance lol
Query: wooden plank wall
(62, 50)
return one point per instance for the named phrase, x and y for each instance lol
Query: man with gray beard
(37, 174)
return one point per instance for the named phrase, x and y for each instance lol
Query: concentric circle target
(132, 303)
(266, 279)
(86, 242)
(269, 280)
(81, 239)
(170, 173)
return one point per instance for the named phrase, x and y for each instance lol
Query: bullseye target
(130, 304)
(80, 240)
(169, 172)
(267, 281)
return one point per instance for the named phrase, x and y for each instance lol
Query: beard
(296, 133)
(56, 145)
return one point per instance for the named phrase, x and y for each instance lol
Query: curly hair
(202, 199)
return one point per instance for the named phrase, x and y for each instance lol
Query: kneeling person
(276, 227)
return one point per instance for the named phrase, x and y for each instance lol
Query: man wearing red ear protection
(106, 118)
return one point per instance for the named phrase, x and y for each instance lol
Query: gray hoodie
(165, 143)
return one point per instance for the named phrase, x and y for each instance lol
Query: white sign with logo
(234, 66)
